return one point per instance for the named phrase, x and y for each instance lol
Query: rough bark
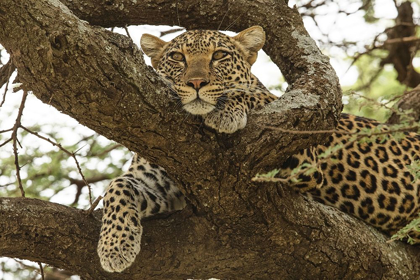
(409, 101)
(313, 242)
(233, 229)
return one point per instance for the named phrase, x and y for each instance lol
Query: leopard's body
(367, 177)
(209, 73)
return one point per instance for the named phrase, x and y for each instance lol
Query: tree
(232, 228)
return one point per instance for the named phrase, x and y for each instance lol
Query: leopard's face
(202, 67)
(210, 72)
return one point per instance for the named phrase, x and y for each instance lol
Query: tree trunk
(400, 53)
(233, 228)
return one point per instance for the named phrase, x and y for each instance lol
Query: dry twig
(5, 73)
(93, 206)
(16, 141)
(41, 271)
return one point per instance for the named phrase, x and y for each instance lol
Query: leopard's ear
(153, 47)
(251, 40)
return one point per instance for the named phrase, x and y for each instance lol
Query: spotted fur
(367, 178)
(143, 191)
(209, 73)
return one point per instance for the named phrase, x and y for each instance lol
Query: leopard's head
(204, 67)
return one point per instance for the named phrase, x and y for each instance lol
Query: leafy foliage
(404, 233)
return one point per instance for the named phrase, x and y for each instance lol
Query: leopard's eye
(177, 56)
(219, 55)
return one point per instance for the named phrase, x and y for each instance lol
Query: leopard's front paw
(117, 251)
(226, 122)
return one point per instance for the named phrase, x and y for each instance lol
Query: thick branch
(409, 101)
(183, 246)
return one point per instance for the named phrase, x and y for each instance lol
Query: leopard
(209, 74)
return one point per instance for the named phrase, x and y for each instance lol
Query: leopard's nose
(197, 83)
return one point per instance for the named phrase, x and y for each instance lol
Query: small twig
(167, 32)
(106, 151)
(86, 138)
(83, 177)
(6, 185)
(5, 73)
(224, 15)
(303, 170)
(15, 141)
(381, 45)
(373, 101)
(403, 129)
(4, 94)
(51, 98)
(80, 184)
(235, 20)
(126, 31)
(402, 40)
(5, 142)
(93, 205)
(41, 270)
(6, 130)
(177, 13)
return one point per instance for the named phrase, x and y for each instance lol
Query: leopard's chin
(199, 107)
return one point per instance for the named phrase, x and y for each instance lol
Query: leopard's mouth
(198, 107)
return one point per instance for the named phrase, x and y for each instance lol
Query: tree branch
(184, 246)
(409, 101)
(401, 55)
(6, 72)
